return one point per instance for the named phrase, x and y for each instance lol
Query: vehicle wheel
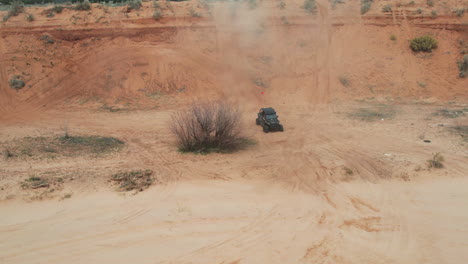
(281, 128)
(257, 121)
(266, 129)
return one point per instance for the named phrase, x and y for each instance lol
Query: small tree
(424, 43)
(208, 126)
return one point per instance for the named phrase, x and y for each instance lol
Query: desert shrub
(252, 4)
(16, 82)
(56, 9)
(459, 12)
(450, 113)
(348, 171)
(430, 2)
(133, 180)
(387, 8)
(393, 37)
(462, 131)
(30, 18)
(344, 81)
(424, 43)
(157, 14)
(436, 161)
(194, 13)
(16, 8)
(373, 113)
(365, 6)
(95, 144)
(134, 5)
(463, 66)
(83, 6)
(433, 14)
(336, 2)
(34, 182)
(47, 39)
(7, 153)
(64, 146)
(282, 5)
(418, 11)
(156, 4)
(208, 127)
(310, 6)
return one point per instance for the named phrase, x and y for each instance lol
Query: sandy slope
(287, 199)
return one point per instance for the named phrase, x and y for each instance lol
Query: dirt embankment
(228, 49)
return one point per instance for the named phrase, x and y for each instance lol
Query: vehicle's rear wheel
(257, 121)
(281, 128)
(266, 129)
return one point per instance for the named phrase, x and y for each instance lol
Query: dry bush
(436, 161)
(134, 180)
(34, 182)
(463, 66)
(208, 127)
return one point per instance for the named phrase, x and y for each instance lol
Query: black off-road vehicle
(268, 119)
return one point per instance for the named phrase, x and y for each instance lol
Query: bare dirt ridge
(347, 182)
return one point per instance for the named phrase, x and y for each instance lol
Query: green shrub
(365, 6)
(134, 5)
(47, 39)
(418, 11)
(16, 82)
(393, 37)
(459, 12)
(16, 8)
(433, 14)
(430, 2)
(463, 66)
(157, 14)
(310, 6)
(387, 8)
(56, 9)
(424, 43)
(30, 17)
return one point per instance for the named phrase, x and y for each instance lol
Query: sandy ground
(287, 199)
(239, 222)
